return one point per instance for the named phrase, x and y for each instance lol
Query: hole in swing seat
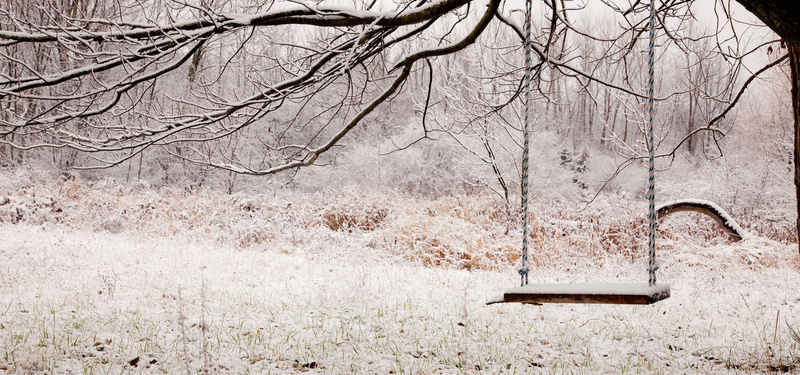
(587, 293)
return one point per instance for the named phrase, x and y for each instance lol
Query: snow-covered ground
(92, 301)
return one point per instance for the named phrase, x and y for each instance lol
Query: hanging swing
(605, 293)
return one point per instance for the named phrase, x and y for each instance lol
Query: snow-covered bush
(473, 231)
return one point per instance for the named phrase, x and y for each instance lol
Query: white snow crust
(76, 300)
(113, 279)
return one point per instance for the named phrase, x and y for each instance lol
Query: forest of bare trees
(175, 91)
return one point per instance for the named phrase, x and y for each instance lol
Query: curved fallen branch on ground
(708, 208)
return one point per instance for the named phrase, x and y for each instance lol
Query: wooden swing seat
(606, 293)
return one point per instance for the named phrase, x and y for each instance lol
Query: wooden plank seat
(606, 293)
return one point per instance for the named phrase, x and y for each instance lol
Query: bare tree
(107, 85)
(343, 68)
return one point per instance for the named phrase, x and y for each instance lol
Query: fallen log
(707, 208)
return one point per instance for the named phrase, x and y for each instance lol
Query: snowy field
(104, 300)
(102, 278)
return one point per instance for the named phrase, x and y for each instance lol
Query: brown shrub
(348, 219)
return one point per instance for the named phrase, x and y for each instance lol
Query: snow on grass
(111, 279)
(83, 301)
(468, 232)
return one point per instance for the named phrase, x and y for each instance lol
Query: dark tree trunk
(782, 16)
(794, 61)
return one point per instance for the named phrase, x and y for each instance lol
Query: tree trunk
(690, 142)
(779, 15)
(794, 61)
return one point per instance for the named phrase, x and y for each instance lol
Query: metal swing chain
(526, 89)
(651, 194)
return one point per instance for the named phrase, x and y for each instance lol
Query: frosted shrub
(344, 218)
(476, 231)
(356, 170)
(551, 177)
(30, 209)
(426, 169)
(466, 232)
